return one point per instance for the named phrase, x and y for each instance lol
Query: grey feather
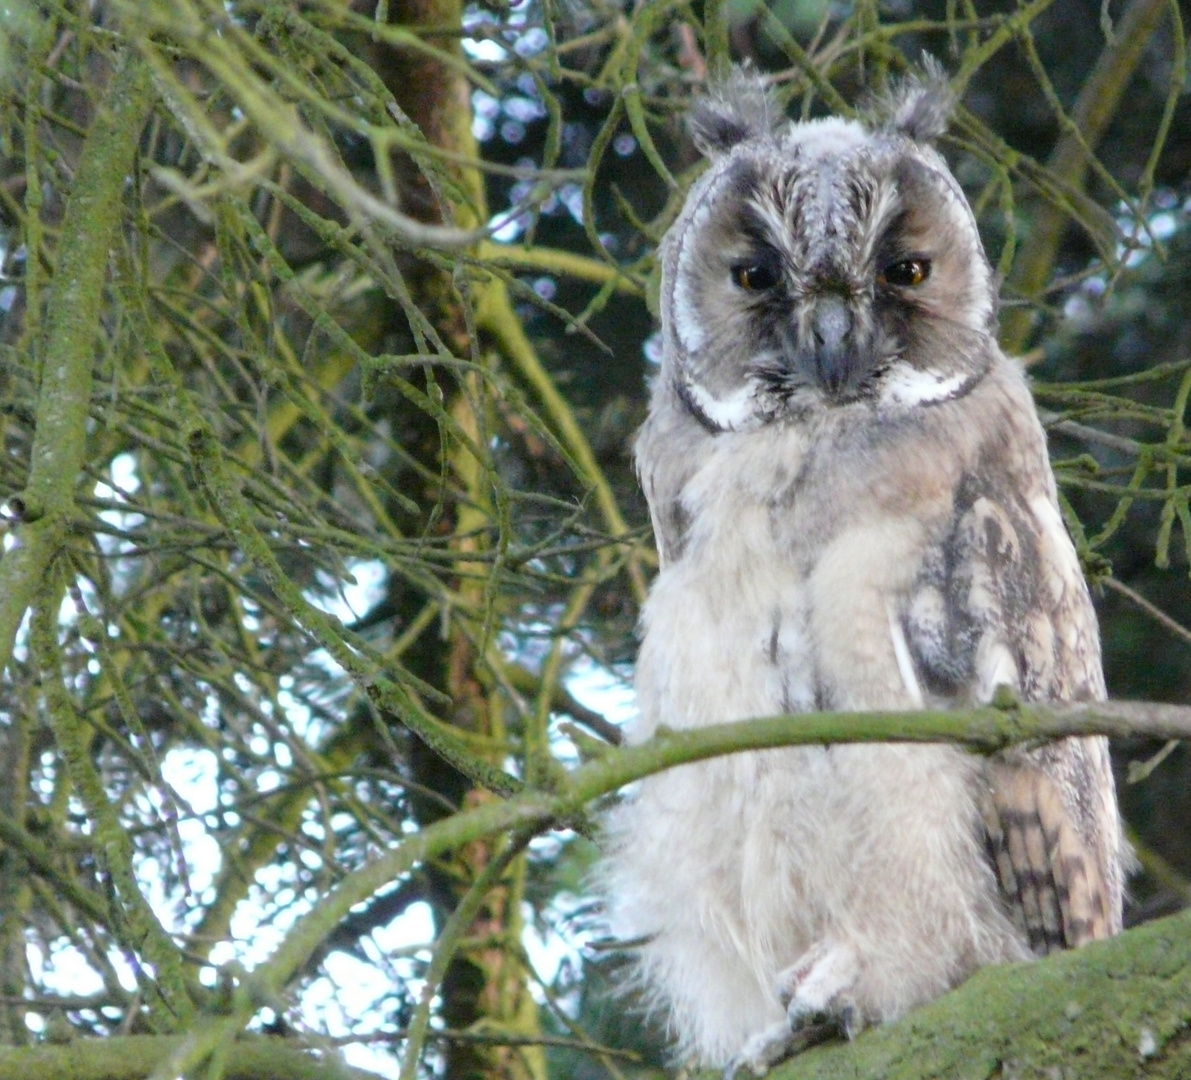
(732, 112)
(919, 106)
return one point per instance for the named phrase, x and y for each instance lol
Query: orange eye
(908, 273)
(755, 277)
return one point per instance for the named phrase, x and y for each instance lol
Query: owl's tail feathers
(1048, 874)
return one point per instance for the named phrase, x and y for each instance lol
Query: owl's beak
(836, 357)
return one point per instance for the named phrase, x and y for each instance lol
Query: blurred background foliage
(324, 332)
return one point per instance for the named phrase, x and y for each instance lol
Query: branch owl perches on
(854, 510)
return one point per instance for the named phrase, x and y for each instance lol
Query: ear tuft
(732, 112)
(919, 106)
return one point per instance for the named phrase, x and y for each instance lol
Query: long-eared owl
(854, 510)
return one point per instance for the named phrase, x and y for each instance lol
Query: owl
(854, 510)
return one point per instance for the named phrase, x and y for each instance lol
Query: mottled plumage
(854, 509)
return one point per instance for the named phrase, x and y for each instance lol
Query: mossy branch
(1097, 104)
(137, 927)
(986, 729)
(1113, 1009)
(496, 315)
(68, 349)
(557, 261)
(132, 1057)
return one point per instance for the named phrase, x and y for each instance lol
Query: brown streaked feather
(1050, 875)
(1004, 602)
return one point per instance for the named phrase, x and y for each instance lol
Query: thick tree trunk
(485, 983)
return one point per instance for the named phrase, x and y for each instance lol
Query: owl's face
(821, 265)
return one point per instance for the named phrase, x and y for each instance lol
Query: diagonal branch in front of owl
(854, 511)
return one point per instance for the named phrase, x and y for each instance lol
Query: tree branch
(986, 729)
(1112, 1009)
(136, 1056)
(67, 355)
(1142, 980)
(1095, 107)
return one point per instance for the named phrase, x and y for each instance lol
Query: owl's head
(823, 264)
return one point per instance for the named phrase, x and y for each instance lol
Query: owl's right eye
(755, 276)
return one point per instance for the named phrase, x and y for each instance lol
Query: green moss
(1115, 1009)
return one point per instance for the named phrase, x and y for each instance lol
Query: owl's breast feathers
(931, 566)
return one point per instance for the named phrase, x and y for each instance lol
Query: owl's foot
(816, 994)
(819, 987)
(774, 1045)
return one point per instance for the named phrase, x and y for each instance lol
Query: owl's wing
(1002, 601)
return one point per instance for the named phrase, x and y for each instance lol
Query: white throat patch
(905, 385)
(736, 412)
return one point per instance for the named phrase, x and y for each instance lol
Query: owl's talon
(815, 994)
(766, 1048)
(775, 1044)
(815, 988)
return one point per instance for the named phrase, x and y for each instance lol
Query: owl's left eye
(755, 276)
(908, 273)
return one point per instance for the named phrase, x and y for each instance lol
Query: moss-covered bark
(66, 354)
(1110, 1011)
(136, 1056)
